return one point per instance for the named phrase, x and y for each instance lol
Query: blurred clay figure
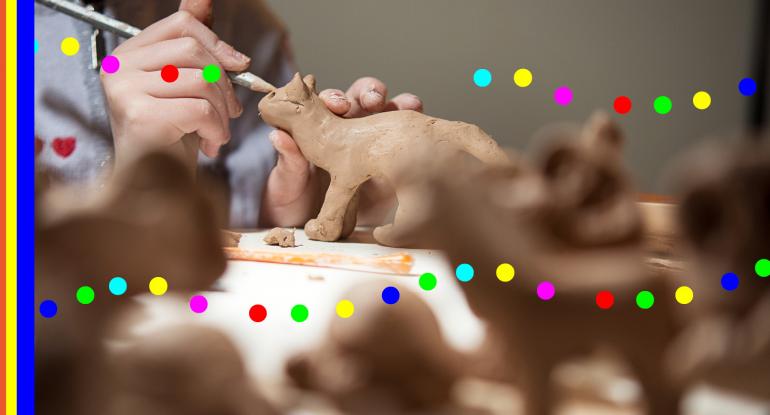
(725, 216)
(385, 359)
(570, 229)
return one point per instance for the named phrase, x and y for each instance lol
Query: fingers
(202, 10)
(290, 158)
(184, 24)
(335, 100)
(193, 115)
(405, 101)
(367, 95)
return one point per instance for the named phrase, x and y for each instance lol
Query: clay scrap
(281, 237)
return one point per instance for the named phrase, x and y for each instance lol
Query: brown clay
(353, 151)
(281, 237)
(570, 220)
(231, 239)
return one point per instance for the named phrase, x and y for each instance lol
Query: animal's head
(282, 107)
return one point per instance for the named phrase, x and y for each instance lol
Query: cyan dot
(747, 86)
(482, 77)
(48, 308)
(118, 286)
(729, 281)
(390, 295)
(36, 46)
(464, 272)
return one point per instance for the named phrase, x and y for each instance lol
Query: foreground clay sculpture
(353, 151)
(571, 221)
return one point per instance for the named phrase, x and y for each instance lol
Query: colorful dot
(110, 64)
(464, 272)
(169, 73)
(118, 286)
(522, 78)
(546, 290)
(505, 272)
(198, 304)
(70, 46)
(36, 46)
(662, 105)
(427, 281)
(299, 313)
(645, 300)
(390, 295)
(622, 105)
(345, 309)
(158, 286)
(701, 100)
(730, 281)
(562, 95)
(85, 295)
(48, 308)
(605, 300)
(257, 313)
(762, 268)
(747, 87)
(482, 77)
(211, 73)
(683, 295)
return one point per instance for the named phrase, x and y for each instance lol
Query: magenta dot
(563, 95)
(545, 291)
(198, 304)
(110, 64)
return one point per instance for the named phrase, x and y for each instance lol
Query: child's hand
(146, 111)
(293, 189)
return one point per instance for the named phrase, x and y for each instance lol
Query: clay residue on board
(231, 239)
(281, 237)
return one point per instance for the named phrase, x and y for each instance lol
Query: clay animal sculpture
(570, 231)
(725, 217)
(353, 151)
(385, 359)
(149, 220)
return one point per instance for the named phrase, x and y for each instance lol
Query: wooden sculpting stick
(398, 263)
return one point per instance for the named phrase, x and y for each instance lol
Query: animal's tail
(480, 145)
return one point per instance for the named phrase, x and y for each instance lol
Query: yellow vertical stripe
(10, 201)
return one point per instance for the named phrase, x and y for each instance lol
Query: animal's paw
(322, 231)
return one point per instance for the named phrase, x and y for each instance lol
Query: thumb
(290, 158)
(200, 9)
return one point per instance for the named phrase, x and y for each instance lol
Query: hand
(295, 188)
(148, 112)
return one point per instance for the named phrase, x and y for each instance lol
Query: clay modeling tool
(398, 263)
(102, 22)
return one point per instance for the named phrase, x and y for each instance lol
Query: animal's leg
(662, 396)
(392, 234)
(536, 385)
(351, 214)
(328, 226)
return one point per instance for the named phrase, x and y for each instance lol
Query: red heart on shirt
(38, 145)
(63, 146)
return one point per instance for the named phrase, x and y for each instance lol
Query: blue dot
(747, 86)
(48, 308)
(729, 281)
(464, 272)
(118, 286)
(390, 295)
(482, 77)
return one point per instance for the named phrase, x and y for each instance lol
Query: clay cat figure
(356, 150)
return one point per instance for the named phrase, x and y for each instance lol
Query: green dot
(645, 300)
(662, 105)
(211, 73)
(85, 295)
(762, 267)
(299, 313)
(427, 281)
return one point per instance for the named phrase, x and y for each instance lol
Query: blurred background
(600, 49)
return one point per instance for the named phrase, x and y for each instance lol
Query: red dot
(169, 73)
(605, 300)
(258, 313)
(622, 105)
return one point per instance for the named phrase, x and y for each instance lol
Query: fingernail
(240, 57)
(336, 96)
(273, 136)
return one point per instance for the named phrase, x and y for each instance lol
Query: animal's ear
(296, 87)
(310, 82)
(601, 132)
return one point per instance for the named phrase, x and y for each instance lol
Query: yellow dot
(522, 78)
(505, 272)
(345, 309)
(70, 46)
(684, 295)
(701, 100)
(158, 285)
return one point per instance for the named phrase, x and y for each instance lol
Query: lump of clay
(231, 239)
(386, 359)
(353, 151)
(281, 237)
